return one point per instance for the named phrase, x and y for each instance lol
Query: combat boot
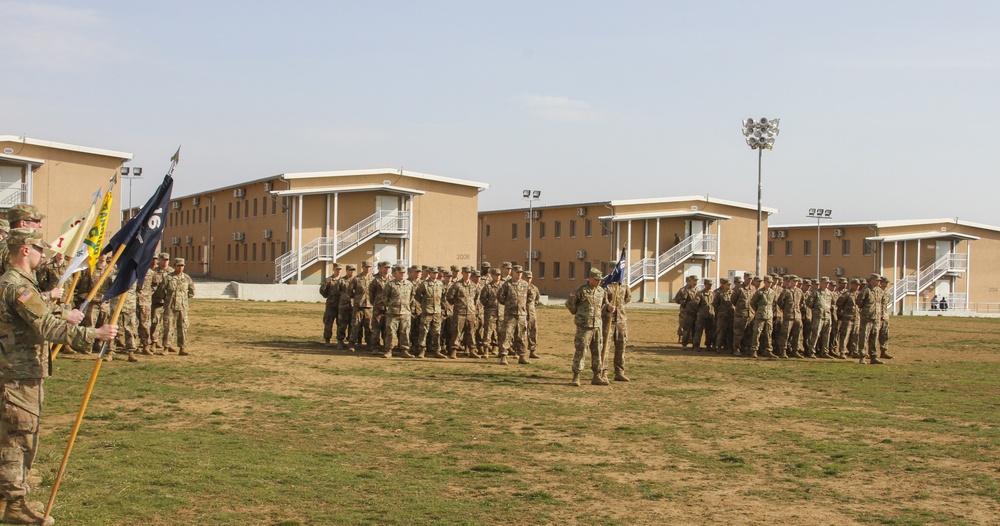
(387, 354)
(875, 361)
(439, 354)
(473, 353)
(770, 355)
(421, 353)
(109, 356)
(182, 352)
(533, 354)
(146, 350)
(21, 512)
(575, 382)
(66, 349)
(503, 360)
(326, 341)
(598, 380)
(131, 357)
(405, 353)
(884, 355)
(453, 354)
(523, 360)
(620, 377)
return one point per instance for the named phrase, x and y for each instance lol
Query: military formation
(788, 317)
(432, 312)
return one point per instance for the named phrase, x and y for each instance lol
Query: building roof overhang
(18, 159)
(348, 189)
(665, 215)
(384, 171)
(922, 235)
(69, 147)
(683, 198)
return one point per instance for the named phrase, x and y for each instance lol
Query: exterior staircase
(917, 281)
(695, 245)
(381, 223)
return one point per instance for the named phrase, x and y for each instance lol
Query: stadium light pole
(531, 196)
(819, 213)
(136, 173)
(760, 136)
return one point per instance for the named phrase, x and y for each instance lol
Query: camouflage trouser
(490, 333)
(724, 333)
(156, 323)
(465, 331)
(742, 329)
(849, 336)
(704, 325)
(397, 332)
(414, 329)
(128, 331)
(807, 324)
(447, 329)
(96, 315)
(532, 328)
(762, 329)
(687, 321)
(344, 324)
(514, 329)
(175, 326)
(834, 335)
(820, 336)
(588, 337)
(869, 337)
(329, 317)
(361, 327)
(142, 314)
(883, 335)
(20, 407)
(618, 336)
(430, 333)
(378, 328)
(788, 338)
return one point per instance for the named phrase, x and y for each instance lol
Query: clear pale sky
(885, 107)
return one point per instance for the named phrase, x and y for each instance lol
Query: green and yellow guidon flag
(95, 237)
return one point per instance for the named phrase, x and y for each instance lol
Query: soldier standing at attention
(29, 322)
(722, 303)
(330, 289)
(397, 294)
(883, 328)
(463, 296)
(762, 302)
(413, 275)
(484, 275)
(821, 301)
(176, 289)
(144, 305)
(705, 317)
(790, 303)
(361, 326)
(742, 316)
(345, 308)
(686, 317)
(505, 270)
(378, 309)
(156, 311)
(513, 295)
(847, 313)
(870, 307)
(614, 324)
(490, 343)
(429, 294)
(477, 280)
(808, 286)
(534, 295)
(587, 304)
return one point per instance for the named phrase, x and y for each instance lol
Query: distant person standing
(615, 326)
(330, 289)
(587, 303)
(934, 302)
(176, 289)
(943, 304)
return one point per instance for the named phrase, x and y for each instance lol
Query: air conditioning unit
(175, 240)
(196, 201)
(239, 192)
(268, 186)
(782, 233)
(581, 211)
(176, 205)
(772, 234)
(838, 271)
(770, 270)
(536, 254)
(239, 236)
(189, 240)
(535, 214)
(781, 271)
(267, 234)
(581, 254)
(838, 232)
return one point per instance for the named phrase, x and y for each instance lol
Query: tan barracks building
(60, 179)
(949, 258)
(290, 228)
(665, 239)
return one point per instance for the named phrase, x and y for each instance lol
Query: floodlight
(124, 171)
(526, 194)
(137, 171)
(536, 194)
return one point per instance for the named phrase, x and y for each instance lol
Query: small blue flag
(618, 274)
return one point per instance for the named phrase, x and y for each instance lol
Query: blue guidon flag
(618, 274)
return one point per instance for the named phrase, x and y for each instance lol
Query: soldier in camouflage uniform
(447, 328)
(144, 305)
(847, 313)
(331, 289)
(484, 274)
(534, 295)
(361, 328)
(128, 322)
(870, 307)
(762, 302)
(704, 317)
(489, 344)
(587, 304)
(722, 303)
(808, 286)
(463, 296)
(614, 325)
(429, 294)
(414, 277)
(156, 311)
(378, 309)
(822, 306)
(513, 295)
(790, 303)
(23, 215)
(742, 316)
(397, 294)
(98, 312)
(176, 289)
(345, 308)
(26, 323)
(686, 298)
(4, 229)
(883, 328)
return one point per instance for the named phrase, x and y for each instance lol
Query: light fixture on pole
(531, 196)
(136, 173)
(819, 213)
(760, 136)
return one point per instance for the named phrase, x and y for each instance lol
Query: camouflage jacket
(762, 302)
(159, 274)
(346, 300)
(790, 303)
(704, 300)
(587, 305)
(722, 302)
(686, 299)
(463, 296)
(26, 323)
(886, 302)
(359, 291)
(375, 291)
(617, 296)
(175, 290)
(531, 301)
(429, 294)
(847, 305)
(870, 304)
(488, 297)
(330, 289)
(513, 295)
(741, 301)
(145, 292)
(396, 296)
(822, 304)
(415, 308)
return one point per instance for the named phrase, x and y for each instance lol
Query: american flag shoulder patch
(27, 295)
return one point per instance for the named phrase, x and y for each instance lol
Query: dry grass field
(264, 425)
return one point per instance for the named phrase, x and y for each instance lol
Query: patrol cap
(26, 236)
(352, 267)
(755, 277)
(384, 264)
(336, 266)
(413, 268)
(507, 264)
(796, 279)
(485, 264)
(165, 256)
(856, 281)
(824, 279)
(724, 281)
(692, 276)
(456, 268)
(748, 275)
(466, 269)
(526, 274)
(495, 271)
(807, 281)
(427, 268)
(874, 276)
(517, 268)
(446, 273)
(441, 269)
(596, 273)
(4, 225)
(477, 274)
(398, 268)
(883, 278)
(737, 279)
(24, 212)
(841, 280)
(366, 263)
(767, 278)
(706, 281)
(178, 262)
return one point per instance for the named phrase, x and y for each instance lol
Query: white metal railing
(332, 248)
(12, 194)
(640, 270)
(917, 281)
(654, 267)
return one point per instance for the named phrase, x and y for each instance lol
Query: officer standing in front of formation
(513, 296)
(330, 290)
(587, 304)
(870, 308)
(345, 308)
(29, 322)
(361, 328)
(762, 302)
(615, 326)
(397, 294)
(175, 290)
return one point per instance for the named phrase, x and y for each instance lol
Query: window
(555, 270)
(586, 268)
(255, 207)
(541, 229)
(571, 270)
(845, 247)
(572, 228)
(237, 254)
(213, 211)
(770, 248)
(807, 247)
(541, 269)
(272, 252)
(826, 247)
(788, 248)
(604, 268)
(237, 210)
(527, 230)
(254, 253)
(246, 208)
(868, 249)
(230, 210)
(606, 228)
(513, 230)
(188, 218)
(274, 204)
(586, 227)
(283, 247)
(557, 229)
(245, 252)
(263, 206)
(284, 205)
(199, 215)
